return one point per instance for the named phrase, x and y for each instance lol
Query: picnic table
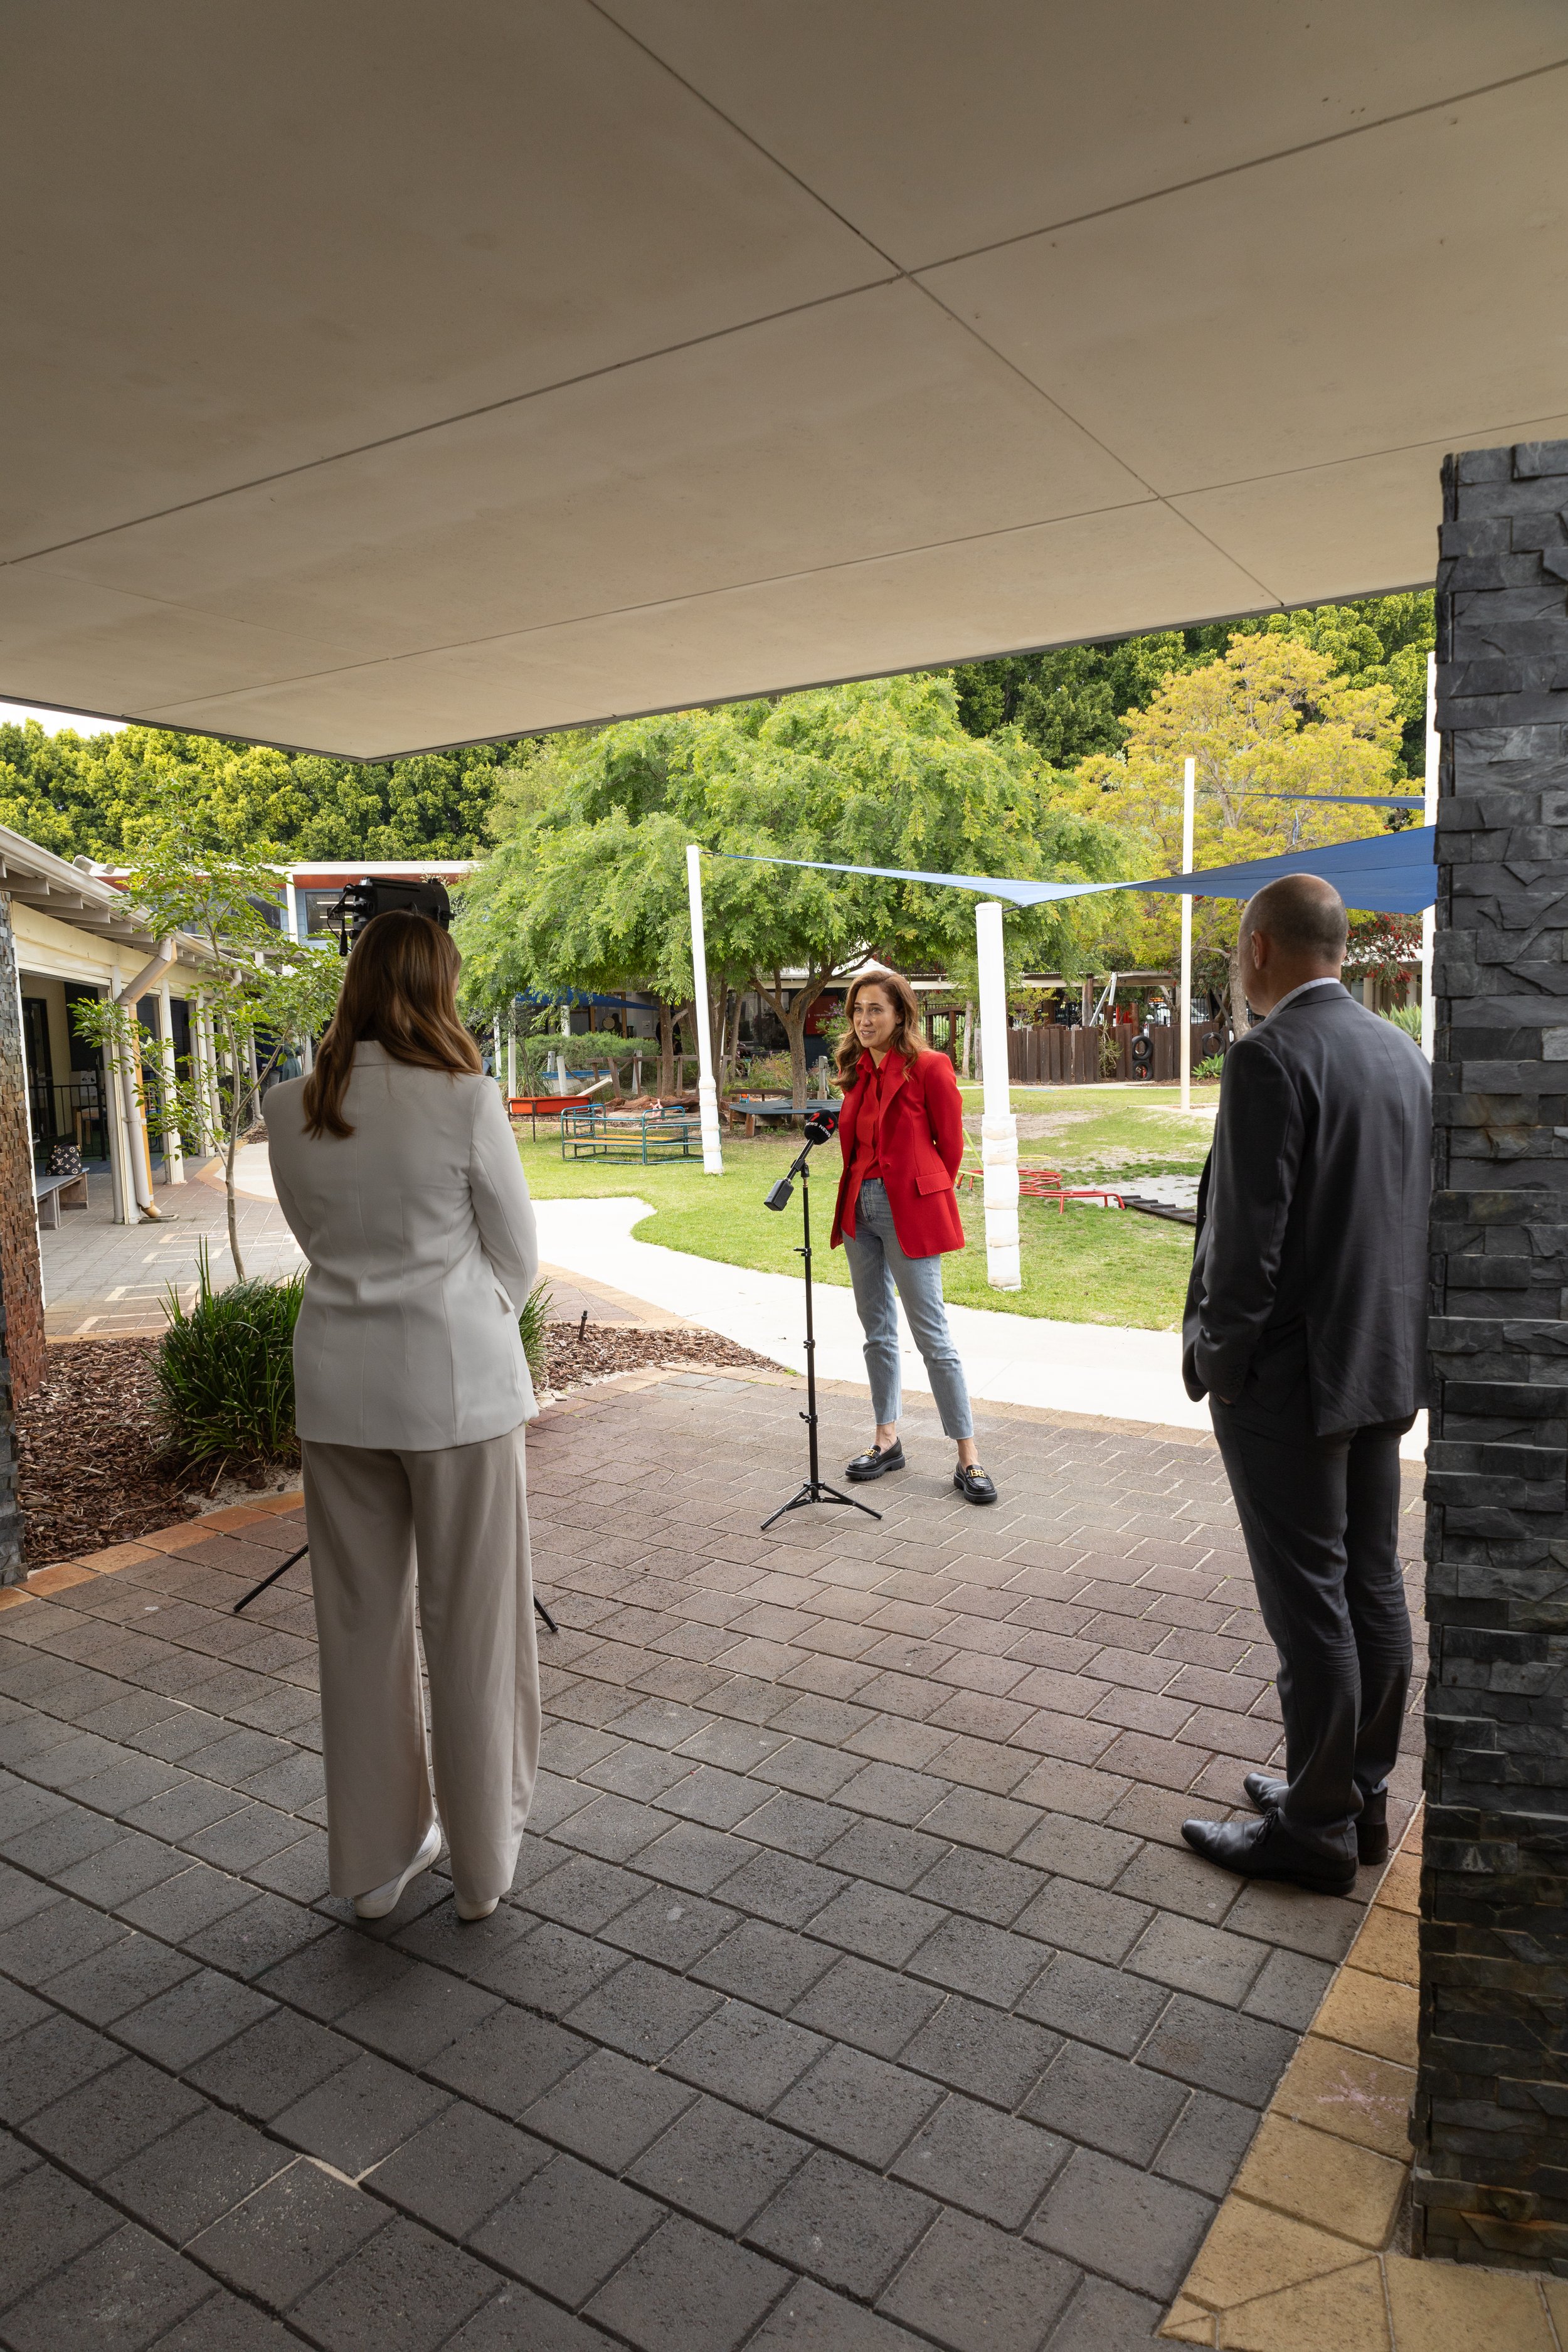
(593, 1132)
(749, 1108)
(54, 1192)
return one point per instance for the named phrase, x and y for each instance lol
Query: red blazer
(921, 1152)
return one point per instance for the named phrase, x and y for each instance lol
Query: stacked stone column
(1491, 2109)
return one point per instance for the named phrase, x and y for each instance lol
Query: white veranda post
(1184, 1005)
(707, 1092)
(174, 1151)
(998, 1128)
(1429, 920)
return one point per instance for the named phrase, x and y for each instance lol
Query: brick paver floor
(856, 1993)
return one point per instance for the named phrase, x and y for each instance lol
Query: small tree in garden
(261, 993)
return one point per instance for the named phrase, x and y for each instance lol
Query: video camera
(361, 901)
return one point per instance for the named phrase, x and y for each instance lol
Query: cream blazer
(420, 1238)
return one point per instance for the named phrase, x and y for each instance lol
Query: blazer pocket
(932, 1179)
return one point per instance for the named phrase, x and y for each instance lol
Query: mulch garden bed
(90, 1470)
(575, 1353)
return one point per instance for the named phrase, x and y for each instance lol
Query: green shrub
(226, 1371)
(530, 1326)
(1212, 1067)
(1406, 1017)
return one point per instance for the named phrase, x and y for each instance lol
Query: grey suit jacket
(419, 1234)
(1312, 1244)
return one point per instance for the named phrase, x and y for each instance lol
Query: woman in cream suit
(396, 1170)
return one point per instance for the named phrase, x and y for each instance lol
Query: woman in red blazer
(900, 1128)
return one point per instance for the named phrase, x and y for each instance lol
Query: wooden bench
(54, 1192)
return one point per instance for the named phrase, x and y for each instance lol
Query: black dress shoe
(876, 1462)
(973, 1483)
(1371, 1822)
(1266, 1849)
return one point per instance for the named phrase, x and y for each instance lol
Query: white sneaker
(383, 1899)
(471, 1911)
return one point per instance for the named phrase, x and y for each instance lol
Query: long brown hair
(906, 1028)
(400, 992)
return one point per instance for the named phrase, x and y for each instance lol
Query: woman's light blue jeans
(876, 1265)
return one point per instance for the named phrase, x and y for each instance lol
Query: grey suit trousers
(1319, 1517)
(453, 1521)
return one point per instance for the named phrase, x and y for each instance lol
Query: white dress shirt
(420, 1240)
(1327, 980)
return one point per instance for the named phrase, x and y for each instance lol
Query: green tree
(1272, 716)
(89, 795)
(1075, 701)
(261, 993)
(587, 885)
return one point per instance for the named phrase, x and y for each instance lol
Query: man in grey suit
(1305, 1327)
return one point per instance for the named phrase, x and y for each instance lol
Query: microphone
(822, 1123)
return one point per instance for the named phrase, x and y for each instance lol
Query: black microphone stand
(819, 1126)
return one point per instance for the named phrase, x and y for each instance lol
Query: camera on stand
(361, 902)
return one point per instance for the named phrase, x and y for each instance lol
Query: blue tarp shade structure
(1392, 874)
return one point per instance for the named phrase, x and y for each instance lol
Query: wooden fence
(1056, 1057)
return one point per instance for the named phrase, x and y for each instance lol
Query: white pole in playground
(998, 1128)
(1429, 918)
(1184, 1009)
(707, 1092)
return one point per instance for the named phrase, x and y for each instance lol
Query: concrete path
(1104, 1370)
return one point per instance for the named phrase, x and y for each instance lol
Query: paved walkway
(1095, 1368)
(856, 1993)
(595, 1261)
(105, 1281)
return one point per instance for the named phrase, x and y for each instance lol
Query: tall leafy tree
(587, 885)
(1272, 716)
(1076, 701)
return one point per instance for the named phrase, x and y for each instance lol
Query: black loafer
(1371, 1822)
(876, 1462)
(1266, 1849)
(973, 1483)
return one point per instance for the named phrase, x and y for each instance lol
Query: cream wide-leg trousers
(456, 1520)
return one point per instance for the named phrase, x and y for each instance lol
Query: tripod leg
(796, 1503)
(272, 1579)
(541, 1610)
(827, 1494)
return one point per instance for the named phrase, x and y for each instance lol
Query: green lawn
(1088, 1266)
(1090, 1130)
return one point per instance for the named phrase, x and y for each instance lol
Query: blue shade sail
(1393, 874)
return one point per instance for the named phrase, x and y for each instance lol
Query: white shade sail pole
(1185, 1033)
(998, 1128)
(707, 1093)
(1429, 920)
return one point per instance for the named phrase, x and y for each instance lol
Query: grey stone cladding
(1491, 2109)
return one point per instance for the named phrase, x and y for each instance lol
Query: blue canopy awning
(1392, 874)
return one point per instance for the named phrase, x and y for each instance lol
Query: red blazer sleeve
(944, 1108)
